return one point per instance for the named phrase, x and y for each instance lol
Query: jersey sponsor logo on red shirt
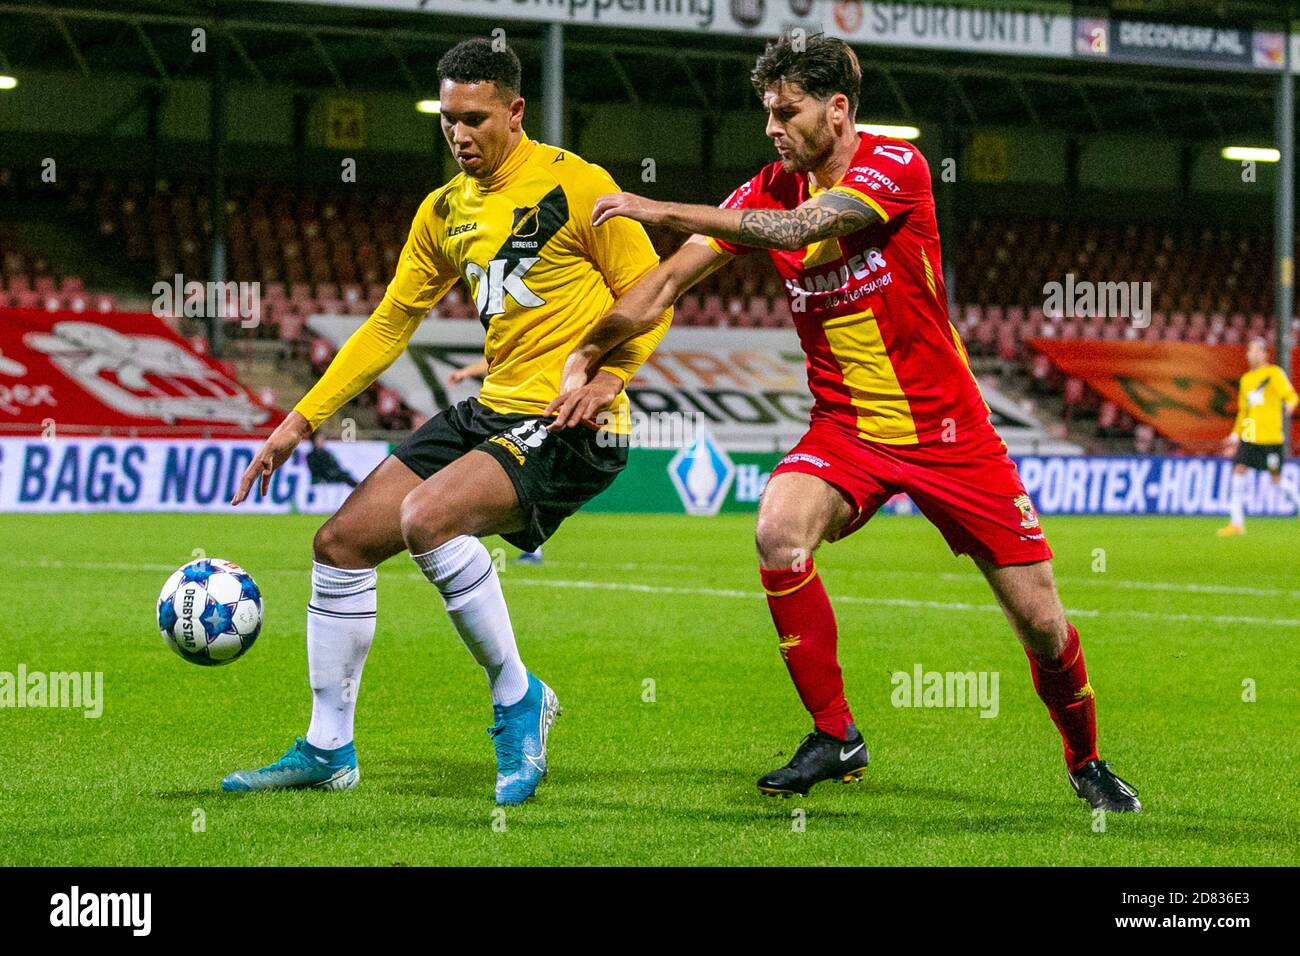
(871, 177)
(864, 264)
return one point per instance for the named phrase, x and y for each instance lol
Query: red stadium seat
(688, 307)
(1008, 346)
(759, 309)
(321, 352)
(291, 326)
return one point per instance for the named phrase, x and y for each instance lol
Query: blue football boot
(302, 767)
(519, 736)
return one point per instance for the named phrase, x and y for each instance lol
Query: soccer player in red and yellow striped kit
(848, 220)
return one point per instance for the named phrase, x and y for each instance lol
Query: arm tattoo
(830, 214)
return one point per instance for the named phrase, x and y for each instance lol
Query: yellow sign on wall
(345, 123)
(988, 158)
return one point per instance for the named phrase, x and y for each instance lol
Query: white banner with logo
(938, 26)
(760, 17)
(895, 23)
(747, 387)
(188, 475)
(1130, 485)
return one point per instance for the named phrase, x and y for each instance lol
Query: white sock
(1236, 502)
(340, 629)
(463, 572)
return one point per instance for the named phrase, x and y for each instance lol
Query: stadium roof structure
(332, 48)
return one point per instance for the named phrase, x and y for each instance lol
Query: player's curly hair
(475, 61)
(821, 65)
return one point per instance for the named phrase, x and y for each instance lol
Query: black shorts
(1260, 457)
(554, 473)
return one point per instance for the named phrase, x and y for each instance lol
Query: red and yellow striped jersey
(870, 308)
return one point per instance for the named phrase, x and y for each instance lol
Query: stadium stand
(313, 252)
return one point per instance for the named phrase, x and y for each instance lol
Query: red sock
(1063, 685)
(805, 625)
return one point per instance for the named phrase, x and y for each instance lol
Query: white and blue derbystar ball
(210, 612)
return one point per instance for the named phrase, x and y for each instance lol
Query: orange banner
(1185, 391)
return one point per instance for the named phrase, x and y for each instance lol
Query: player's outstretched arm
(367, 352)
(583, 391)
(273, 453)
(829, 214)
(423, 277)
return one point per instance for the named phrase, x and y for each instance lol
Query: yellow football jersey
(539, 272)
(1264, 394)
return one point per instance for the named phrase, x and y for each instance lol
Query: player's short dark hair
(821, 65)
(476, 61)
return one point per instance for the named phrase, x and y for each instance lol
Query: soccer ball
(210, 612)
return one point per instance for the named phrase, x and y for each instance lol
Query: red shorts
(969, 489)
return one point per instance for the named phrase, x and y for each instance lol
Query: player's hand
(457, 376)
(274, 453)
(581, 400)
(628, 205)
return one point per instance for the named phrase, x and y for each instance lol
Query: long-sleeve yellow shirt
(539, 272)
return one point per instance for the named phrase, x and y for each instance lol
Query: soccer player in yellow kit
(515, 224)
(478, 370)
(1265, 396)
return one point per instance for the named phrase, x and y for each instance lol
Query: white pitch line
(908, 602)
(730, 593)
(1174, 587)
(1103, 580)
(1106, 580)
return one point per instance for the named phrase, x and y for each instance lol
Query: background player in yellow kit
(515, 224)
(1265, 396)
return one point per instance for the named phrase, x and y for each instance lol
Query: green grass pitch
(1175, 623)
